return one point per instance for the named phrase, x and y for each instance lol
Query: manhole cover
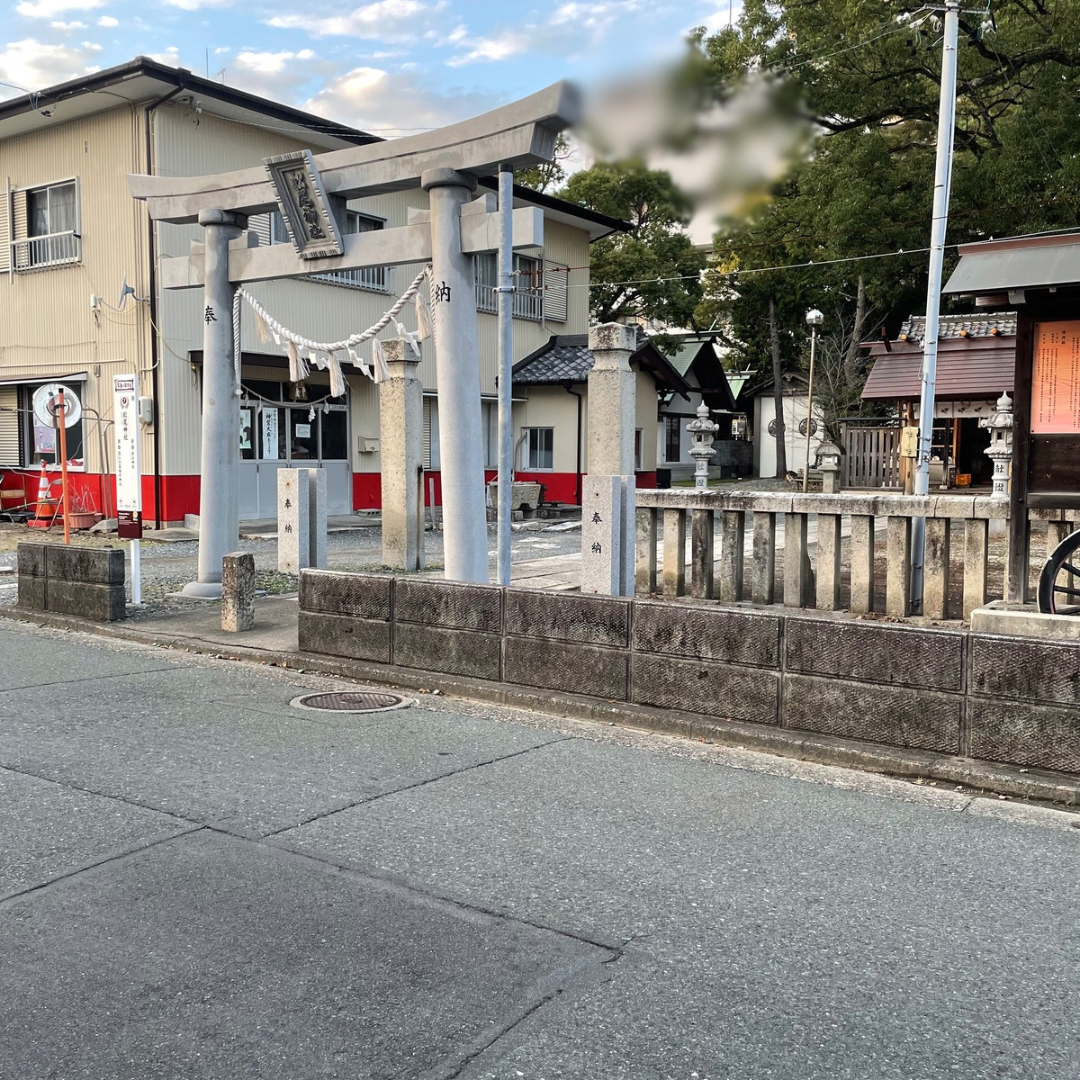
(352, 701)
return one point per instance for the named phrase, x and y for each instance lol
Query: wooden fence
(871, 457)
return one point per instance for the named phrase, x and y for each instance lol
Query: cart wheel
(1059, 582)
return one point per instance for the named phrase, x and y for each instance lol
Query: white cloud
(67, 25)
(108, 22)
(35, 65)
(394, 103)
(170, 56)
(269, 63)
(49, 9)
(385, 20)
(196, 5)
(501, 47)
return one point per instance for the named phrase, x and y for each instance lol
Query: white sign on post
(128, 471)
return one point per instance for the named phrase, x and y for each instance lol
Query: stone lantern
(1000, 423)
(828, 463)
(702, 433)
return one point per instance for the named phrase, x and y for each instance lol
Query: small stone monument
(238, 592)
(401, 461)
(301, 519)
(608, 491)
(702, 433)
(828, 464)
(316, 517)
(1000, 423)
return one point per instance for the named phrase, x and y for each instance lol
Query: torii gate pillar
(219, 525)
(457, 365)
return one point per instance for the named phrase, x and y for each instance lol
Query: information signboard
(1055, 379)
(128, 464)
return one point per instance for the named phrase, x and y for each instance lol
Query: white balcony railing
(43, 252)
(370, 277)
(528, 304)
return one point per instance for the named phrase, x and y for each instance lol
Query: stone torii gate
(310, 192)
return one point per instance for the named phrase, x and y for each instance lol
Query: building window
(539, 448)
(24, 443)
(637, 449)
(373, 278)
(672, 438)
(528, 285)
(52, 228)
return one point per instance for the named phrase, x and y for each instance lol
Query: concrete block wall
(999, 699)
(72, 580)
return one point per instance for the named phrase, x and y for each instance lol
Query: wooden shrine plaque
(1055, 379)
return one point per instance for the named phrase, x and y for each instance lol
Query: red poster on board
(129, 524)
(1055, 379)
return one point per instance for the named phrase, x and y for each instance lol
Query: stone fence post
(401, 456)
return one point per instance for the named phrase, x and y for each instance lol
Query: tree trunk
(851, 358)
(778, 392)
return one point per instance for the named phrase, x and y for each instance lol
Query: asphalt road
(199, 881)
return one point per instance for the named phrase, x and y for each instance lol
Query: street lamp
(814, 319)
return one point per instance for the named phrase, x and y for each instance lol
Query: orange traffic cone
(46, 507)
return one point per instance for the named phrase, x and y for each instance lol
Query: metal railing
(528, 303)
(42, 252)
(373, 278)
(859, 541)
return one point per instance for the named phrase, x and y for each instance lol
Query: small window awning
(40, 380)
(1003, 266)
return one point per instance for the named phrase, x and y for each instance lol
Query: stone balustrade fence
(813, 580)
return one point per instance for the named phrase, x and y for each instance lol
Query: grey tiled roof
(952, 326)
(565, 359)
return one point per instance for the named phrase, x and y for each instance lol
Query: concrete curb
(1038, 784)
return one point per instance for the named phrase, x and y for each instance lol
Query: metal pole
(938, 229)
(506, 364)
(64, 494)
(136, 573)
(218, 485)
(809, 409)
(457, 370)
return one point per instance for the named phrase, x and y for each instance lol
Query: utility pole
(505, 293)
(938, 229)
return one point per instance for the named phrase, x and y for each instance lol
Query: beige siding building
(71, 236)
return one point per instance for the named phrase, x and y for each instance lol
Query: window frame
(65, 246)
(527, 448)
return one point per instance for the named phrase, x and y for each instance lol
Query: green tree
(866, 74)
(653, 270)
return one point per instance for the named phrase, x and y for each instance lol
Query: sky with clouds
(389, 66)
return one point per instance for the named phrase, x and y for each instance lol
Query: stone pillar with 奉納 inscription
(608, 490)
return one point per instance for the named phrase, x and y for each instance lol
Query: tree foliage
(651, 271)
(866, 73)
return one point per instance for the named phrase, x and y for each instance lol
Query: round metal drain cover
(352, 701)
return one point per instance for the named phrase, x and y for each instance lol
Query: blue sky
(390, 66)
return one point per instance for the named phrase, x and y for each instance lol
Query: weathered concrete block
(706, 633)
(898, 716)
(103, 603)
(724, 691)
(448, 603)
(885, 655)
(1015, 668)
(294, 509)
(364, 595)
(316, 479)
(577, 669)
(343, 635)
(32, 592)
(1039, 736)
(30, 560)
(591, 620)
(238, 592)
(454, 652)
(91, 566)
